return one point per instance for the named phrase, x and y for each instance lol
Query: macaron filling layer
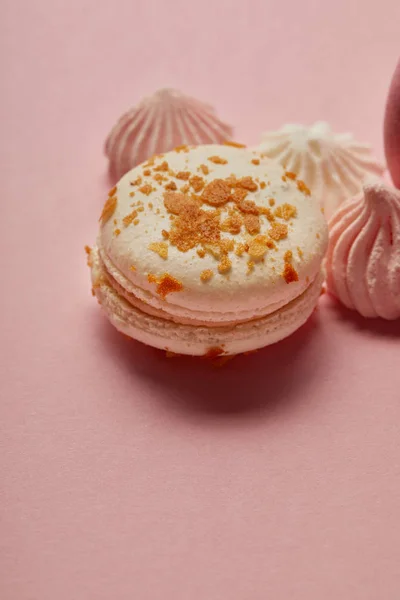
(142, 323)
(149, 302)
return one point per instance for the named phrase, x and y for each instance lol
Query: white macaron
(209, 250)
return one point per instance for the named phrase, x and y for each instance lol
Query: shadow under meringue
(265, 383)
(378, 326)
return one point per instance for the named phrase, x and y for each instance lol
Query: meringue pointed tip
(377, 190)
(160, 122)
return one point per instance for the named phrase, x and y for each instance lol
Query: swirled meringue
(160, 123)
(363, 259)
(334, 166)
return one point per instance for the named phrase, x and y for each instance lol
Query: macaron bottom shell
(212, 340)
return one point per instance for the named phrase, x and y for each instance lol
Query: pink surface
(125, 475)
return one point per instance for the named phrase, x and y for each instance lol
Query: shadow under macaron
(262, 384)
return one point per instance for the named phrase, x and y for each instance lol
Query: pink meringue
(158, 124)
(392, 128)
(363, 259)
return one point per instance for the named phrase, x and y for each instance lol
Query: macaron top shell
(212, 233)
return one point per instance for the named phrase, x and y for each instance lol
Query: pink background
(125, 475)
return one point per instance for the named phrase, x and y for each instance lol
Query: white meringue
(333, 166)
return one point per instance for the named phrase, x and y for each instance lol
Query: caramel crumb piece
(299, 252)
(289, 273)
(162, 167)
(284, 178)
(117, 231)
(112, 192)
(206, 275)
(136, 222)
(318, 236)
(151, 162)
(252, 223)
(214, 250)
(146, 189)
(175, 202)
(165, 234)
(240, 249)
(267, 213)
(159, 178)
(136, 181)
(201, 252)
(322, 210)
(115, 221)
(166, 284)
(286, 211)
(225, 265)
(303, 188)
(271, 202)
(234, 144)
(171, 186)
(248, 207)
(185, 188)
(204, 169)
(161, 248)
(226, 245)
(217, 160)
(263, 185)
(150, 205)
(182, 148)
(290, 175)
(278, 231)
(231, 180)
(132, 268)
(131, 194)
(256, 161)
(193, 226)
(216, 193)
(197, 183)
(238, 195)
(140, 209)
(129, 218)
(147, 172)
(258, 247)
(247, 183)
(108, 209)
(89, 260)
(250, 266)
(288, 256)
(184, 175)
(232, 224)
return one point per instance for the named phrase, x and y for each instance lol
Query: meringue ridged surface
(334, 166)
(159, 123)
(363, 259)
